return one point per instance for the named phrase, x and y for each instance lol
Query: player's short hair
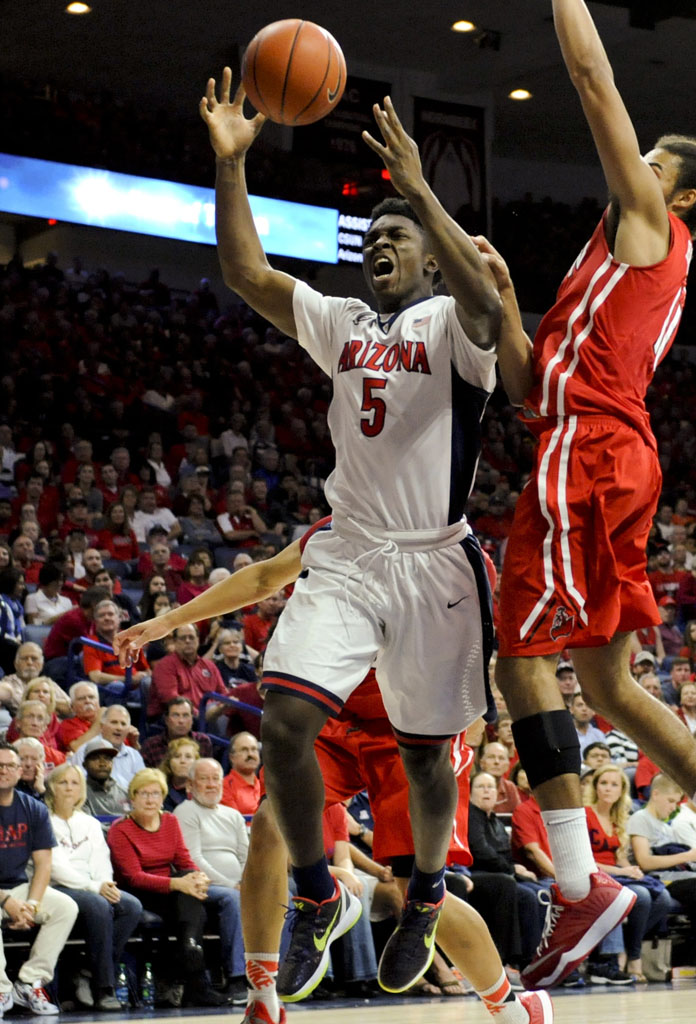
(683, 146)
(396, 207)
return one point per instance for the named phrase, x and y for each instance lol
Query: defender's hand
(494, 261)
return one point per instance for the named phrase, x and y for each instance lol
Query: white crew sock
(570, 850)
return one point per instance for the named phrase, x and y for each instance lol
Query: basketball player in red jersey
(357, 750)
(574, 572)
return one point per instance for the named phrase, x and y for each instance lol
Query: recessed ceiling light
(78, 8)
(520, 94)
(463, 26)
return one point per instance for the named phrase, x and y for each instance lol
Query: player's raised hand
(231, 133)
(399, 152)
(128, 642)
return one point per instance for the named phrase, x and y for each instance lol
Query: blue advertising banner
(149, 206)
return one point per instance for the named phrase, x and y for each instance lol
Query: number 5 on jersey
(375, 407)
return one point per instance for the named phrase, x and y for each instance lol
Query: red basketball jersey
(596, 350)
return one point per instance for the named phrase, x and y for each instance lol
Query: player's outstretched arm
(643, 233)
(247, 586)
(514, 346)
(465, 274)
(244, 265)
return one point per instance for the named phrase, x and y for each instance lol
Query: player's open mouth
(382, 266)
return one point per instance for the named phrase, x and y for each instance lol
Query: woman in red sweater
(152, 861)
(117, 539)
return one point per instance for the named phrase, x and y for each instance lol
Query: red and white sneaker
(574, 927)
(539, 1007)
(257, 1013)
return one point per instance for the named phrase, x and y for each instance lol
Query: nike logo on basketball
(453, 604)
(332, 94)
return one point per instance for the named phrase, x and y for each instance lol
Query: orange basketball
(294, 71)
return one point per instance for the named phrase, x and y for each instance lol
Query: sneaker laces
(299, 920)
(553, 913)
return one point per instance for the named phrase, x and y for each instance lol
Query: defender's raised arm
(643, 231)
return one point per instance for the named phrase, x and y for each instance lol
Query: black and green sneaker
(314, 927)
(411, 946)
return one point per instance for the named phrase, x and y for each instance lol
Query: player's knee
(428, 765)
(548, 746)
(265, 834)
(289, 727)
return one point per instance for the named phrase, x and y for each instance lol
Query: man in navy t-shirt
(26, 835)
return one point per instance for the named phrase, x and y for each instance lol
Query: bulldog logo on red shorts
(563, 624)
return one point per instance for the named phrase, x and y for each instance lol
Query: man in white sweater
(217, 840)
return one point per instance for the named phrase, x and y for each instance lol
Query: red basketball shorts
(574, 572)
(359, 754)
(354, 758)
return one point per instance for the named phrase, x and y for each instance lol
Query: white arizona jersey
(409, 394)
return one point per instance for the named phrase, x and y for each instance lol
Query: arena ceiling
(162, 51)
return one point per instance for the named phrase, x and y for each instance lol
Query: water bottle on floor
(147, 989)
(121, 992)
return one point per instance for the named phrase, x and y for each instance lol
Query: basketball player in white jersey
(398, 576)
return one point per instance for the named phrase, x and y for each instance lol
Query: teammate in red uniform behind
(574, 572)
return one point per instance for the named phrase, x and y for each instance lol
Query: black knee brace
(548, 746)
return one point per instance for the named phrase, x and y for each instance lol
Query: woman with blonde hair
(40, 688)
(181, 754)
(81, 868)
(151, 859)
(607, 811)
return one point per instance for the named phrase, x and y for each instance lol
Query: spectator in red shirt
(103, 667)
(161, 561)
(257, 625)
(46, 501)
(78, 518)
(195, 580)
(529, 839)
(120, 460)
(241, 787)
(240, 525)
(108, 485)
(25, 559)
(664, 580)
(117, 539)
(72, 624)
(81, 456)
(183, 673)
(85, 722)
(152, 861)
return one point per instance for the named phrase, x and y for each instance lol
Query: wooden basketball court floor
(652, 1004)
